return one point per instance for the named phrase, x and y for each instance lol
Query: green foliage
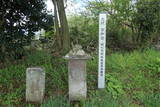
(146, 18)
(12, 81)
(119, 25)
(19, 19)
(135, 70)
(133, 75)
(84, 31)
(131, 24)
(114, 86)
(101, 99)
(12, 91)
(132, 80)
(152, 100)
(58, 101)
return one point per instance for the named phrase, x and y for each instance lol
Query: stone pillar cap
(39, 69)
(77, 53)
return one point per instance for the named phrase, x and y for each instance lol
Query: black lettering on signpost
(102, 42)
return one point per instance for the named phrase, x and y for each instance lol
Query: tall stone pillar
(77, 73)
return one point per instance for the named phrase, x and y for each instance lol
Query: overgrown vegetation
(132, 80)
(130, 24)
(19, 20)
(132, 66)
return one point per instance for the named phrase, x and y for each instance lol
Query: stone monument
(77, 73)
(35, 84)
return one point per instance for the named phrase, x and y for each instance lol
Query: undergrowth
(132, 80)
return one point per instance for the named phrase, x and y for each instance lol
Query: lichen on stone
(77, 51)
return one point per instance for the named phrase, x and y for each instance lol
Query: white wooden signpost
(102, 50)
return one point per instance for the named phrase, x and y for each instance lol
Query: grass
(133, 80)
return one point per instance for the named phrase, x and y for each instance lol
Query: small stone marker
(77, 73)
(35, 84)
(102, 50)
(157, 46)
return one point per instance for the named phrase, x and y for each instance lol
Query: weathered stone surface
(157, 47)
(77, 73)
(35, 84)
(77, 53)
(77, 79)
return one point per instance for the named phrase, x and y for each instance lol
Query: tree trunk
(62, 30)
(57, 29)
